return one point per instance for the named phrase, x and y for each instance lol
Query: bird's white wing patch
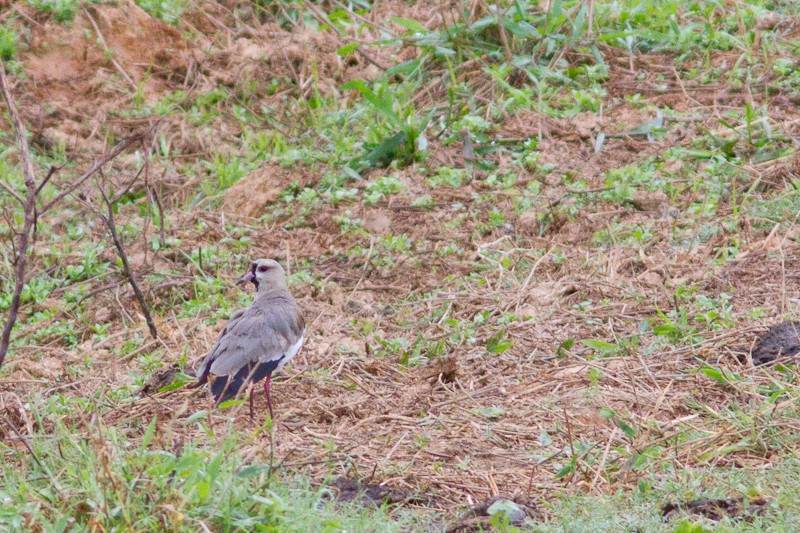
(291, 352)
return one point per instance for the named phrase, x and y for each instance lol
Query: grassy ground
(533, 242)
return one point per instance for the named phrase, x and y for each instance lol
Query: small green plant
(169, 11)
(89, 267)
(452, 177)
(619, 420)
(408, 141)
(498, 343)
(382, 187)
(62, 10)
(8, 43)
(225, 170)
(603, 348)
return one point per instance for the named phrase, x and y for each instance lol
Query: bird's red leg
(266, 390)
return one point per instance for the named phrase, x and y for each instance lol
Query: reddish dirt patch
(252, 194)
(92, 67)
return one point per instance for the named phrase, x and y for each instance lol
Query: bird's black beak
(250, 276)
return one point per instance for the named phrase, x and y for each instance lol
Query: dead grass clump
(306, 58)
(445, 370)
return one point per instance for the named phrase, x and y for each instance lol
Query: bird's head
(265, 274)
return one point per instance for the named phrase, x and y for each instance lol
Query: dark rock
(160, 379)
(735, 508)
(780, 341)
(349, 489)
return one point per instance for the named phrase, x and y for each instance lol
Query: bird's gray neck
(268, 288)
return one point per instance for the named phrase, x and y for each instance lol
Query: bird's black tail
(227, 387)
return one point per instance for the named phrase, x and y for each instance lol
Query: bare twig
(12, 192)
(29, 207)
(155, 196)
(25, 443)
(108, 220)
(503, 34)
(50, 174)
(97, 166)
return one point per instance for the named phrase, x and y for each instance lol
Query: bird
(256, 341)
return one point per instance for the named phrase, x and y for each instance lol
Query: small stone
(649, 200)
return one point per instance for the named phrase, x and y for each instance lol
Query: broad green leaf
(719, 375)
(406, 67)
(197, 416)
(564, 346)
(251, 471)
(347, 49)
(230, 403)
(502, 506)
(628, 430)
(492, 413)
(521, 29)
(566, 470)
(410, 25)
(497, 343)
(381, 104)
(599, 346)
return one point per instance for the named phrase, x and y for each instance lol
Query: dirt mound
(108, 53)
(735, 508)
(302, 57)
(517, 509)
(253, 193)
(780, 341)
(348, 489)
(79, 54)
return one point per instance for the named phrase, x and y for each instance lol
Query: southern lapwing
(258, 340)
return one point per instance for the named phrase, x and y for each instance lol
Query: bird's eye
(263, 268)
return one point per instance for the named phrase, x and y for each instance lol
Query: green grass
(144, 477)
(169, 11)
(8, 44)
(641, 508)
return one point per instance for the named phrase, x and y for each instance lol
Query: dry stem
(108, 220)
(29, 207)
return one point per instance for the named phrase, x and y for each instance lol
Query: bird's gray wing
(232, 321)
(259, 335)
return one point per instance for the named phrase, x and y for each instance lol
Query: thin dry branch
(109, 52)
(12, 192)
(98, 165)
(29, 207)
(108, 220)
